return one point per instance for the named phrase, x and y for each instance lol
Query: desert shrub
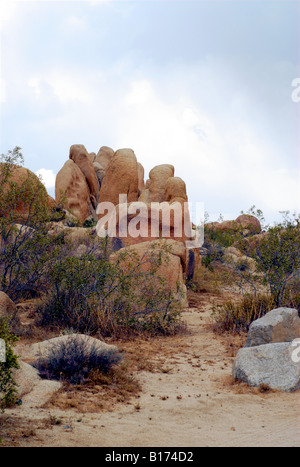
(8, 391)
(220, 238)
(237, 316)
(26, 249)
(91, 294)
(278, 257)
(73, 359)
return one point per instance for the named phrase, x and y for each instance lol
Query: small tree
(278, 257)
(26, 251)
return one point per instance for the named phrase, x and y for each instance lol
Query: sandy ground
(190, 402)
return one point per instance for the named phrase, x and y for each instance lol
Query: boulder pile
(271, 355)
(88, 181)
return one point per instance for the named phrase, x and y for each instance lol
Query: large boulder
(232, 256)
(80, 156)
(8, 309)
(245, 224)
(7, 306)
(32, 389)
(41, 350)
(279, 325)
(270, 365)
(72, 191)
(158, 177)
(104, 156)
(249, 223)
(175, 190)
(121, 178)
(173, 258)
(34, 195)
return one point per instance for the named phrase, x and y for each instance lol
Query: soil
(185, 397)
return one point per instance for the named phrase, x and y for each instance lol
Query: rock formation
(34, 194)
(88, 179)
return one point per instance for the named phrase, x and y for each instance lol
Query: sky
(206, 85)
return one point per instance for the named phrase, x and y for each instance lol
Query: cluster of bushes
(276, 255)
(90, 294)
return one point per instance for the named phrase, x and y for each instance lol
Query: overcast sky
(204, 85)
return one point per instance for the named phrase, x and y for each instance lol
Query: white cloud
(47, 177)
(65, 85)
(75, 24)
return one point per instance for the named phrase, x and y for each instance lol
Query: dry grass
(102, 392)
(14, 430)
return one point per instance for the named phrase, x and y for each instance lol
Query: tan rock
(141, 176)
(158, 179)
(251, 223)
(92, 156)
(7, 306)
(35, 194)
(100, 172)
(171, 269)
(121, 177)
(80, 156)
(175, 189)
(104, 156)
(72, 191)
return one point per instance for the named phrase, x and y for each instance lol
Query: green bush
(8, 391)
(91, 294)
(73, 359)
(26, 250)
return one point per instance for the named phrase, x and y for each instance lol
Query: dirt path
(190, 402)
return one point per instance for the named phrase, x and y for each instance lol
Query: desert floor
(187, 399)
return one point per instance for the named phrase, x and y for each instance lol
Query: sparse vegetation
(91, 294)
(73, 359)
(236, 316)
(8, 389)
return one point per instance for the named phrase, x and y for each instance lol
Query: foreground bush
(73, 359)
(8, 391)
(91, 295)
(237, 316)
(27, 252)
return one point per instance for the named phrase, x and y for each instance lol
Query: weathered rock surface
(245, 223)
(175, 190)
(232, 256)
(31, 186)
(250, 223)
(158, 177)
(100, 172)
(7, 306)
(121, 177)
(80, 156)
(33, 390)
(41, 349)
(72, 191)
(104, 156)
(271, 365)
(279, 325)
(171, 269)
(141, 177)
